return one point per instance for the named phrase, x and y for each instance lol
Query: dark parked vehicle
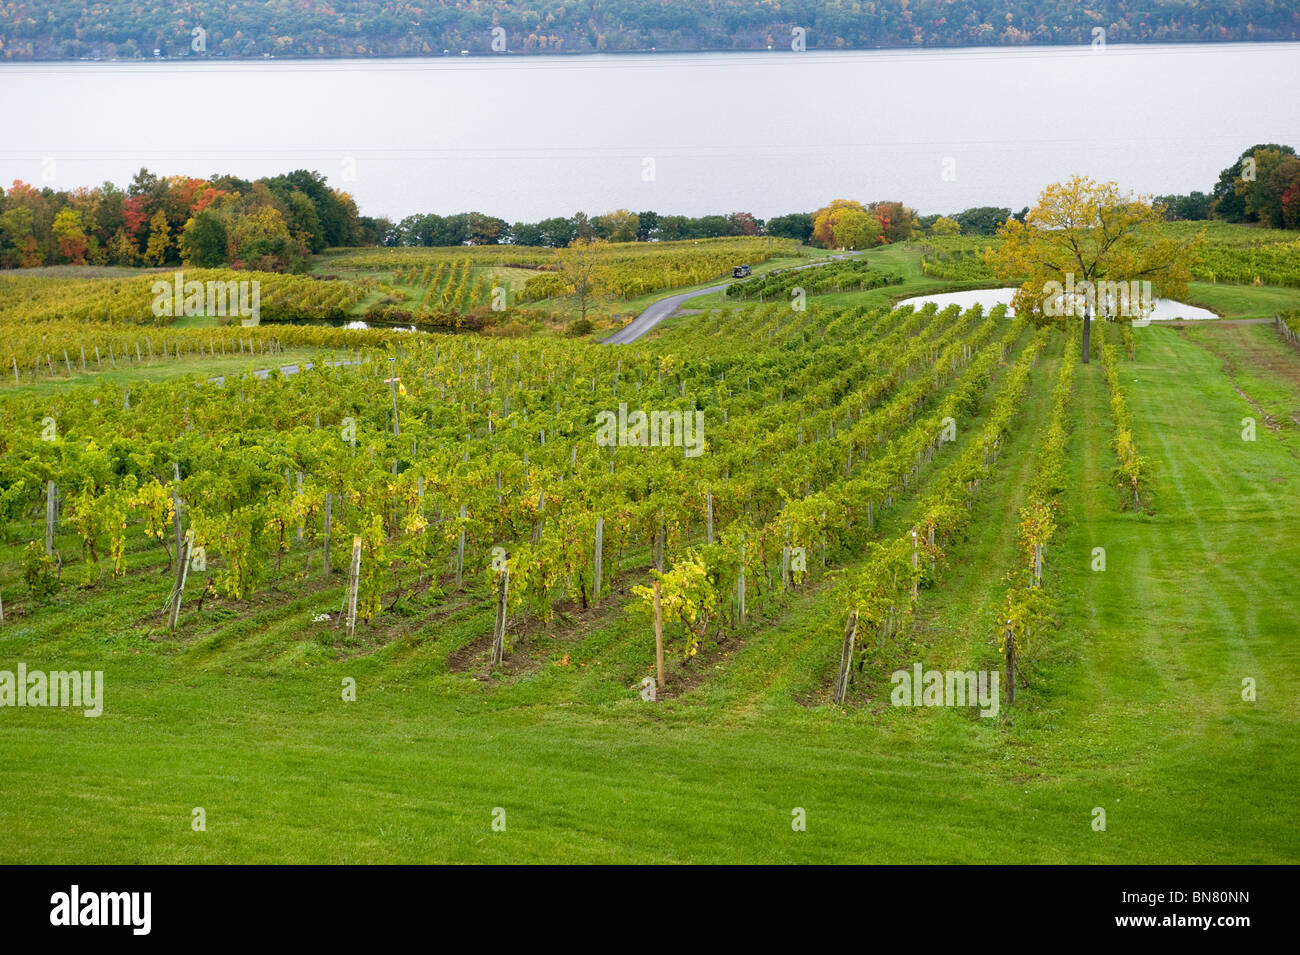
(740, 272)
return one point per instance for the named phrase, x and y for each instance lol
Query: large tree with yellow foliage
(586, 272)
(1082, 231)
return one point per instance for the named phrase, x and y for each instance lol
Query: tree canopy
(46, 29)
(1081, 247)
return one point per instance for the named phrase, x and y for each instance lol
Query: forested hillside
(48, 29)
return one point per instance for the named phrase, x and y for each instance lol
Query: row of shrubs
(837, 277)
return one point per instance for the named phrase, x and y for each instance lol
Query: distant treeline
(271, 224)
(881, 222)
(277, 223)
(46, 29)
(476, 228)
(1262, 186)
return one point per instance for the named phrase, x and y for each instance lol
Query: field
(534, 280)
(821, 454)
(509, 290)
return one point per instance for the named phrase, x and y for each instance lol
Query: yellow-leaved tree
(841, 221)
(945, 226)
(585, 268)
(1086, 246)
(160, 241)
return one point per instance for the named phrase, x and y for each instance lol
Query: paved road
(665, 307)
(655, 314)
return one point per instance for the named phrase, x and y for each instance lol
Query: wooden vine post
(354, 583)
(740, 588)
(51, 510)
(460, 551)
(182, 574)
(329, 516)
(930, 539)
(176, 509)
(597, 570)
(1009, 649)
(659, 640)
(392, 383)
(499, 634)
(846, 658)
(916, 567)
(785, 561)
(537, 528)
(659, 543)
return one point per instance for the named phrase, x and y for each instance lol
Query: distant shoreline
(480, 56)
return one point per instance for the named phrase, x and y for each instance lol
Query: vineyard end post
(354, 580)
(182, 574)
(1010, 653)
(846, 658)
(598, 570)
(329, 514)
(659, 640)
(460, 552)
(51, 507)
(499, 636)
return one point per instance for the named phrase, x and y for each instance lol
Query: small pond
(1165, 309)
(360, 325)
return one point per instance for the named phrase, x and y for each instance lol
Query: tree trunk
(1087, 333)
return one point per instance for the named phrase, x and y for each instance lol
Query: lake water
(1163, 309)
(530, 137)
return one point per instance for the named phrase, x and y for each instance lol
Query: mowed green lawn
(1243, 301)
(1134, 704)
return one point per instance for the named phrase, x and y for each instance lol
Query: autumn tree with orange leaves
(848, 224)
